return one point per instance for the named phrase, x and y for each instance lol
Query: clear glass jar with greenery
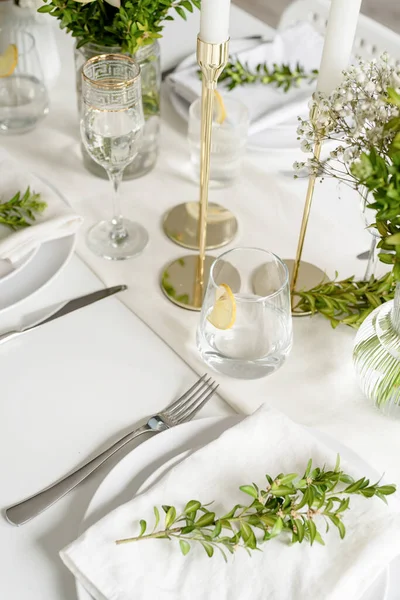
(128, 26)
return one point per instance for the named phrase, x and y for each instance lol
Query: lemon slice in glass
(8, 60)
(223, 314)
(220, 109)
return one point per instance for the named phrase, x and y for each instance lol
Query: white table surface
(71, 388)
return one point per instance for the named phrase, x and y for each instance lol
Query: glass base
(101, 241)
(242, 369)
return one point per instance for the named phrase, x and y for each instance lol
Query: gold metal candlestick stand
(181, 223)
(304, 275)
(183, 281)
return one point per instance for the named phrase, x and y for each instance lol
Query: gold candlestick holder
(304, 275)
(183, 281)
(181, 223)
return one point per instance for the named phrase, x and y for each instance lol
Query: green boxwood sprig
(289, 505)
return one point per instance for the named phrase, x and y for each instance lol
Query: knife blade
(51, 313)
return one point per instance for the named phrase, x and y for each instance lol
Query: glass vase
(148, 58)
(376, 356)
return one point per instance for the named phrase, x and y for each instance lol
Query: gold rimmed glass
(111, 127)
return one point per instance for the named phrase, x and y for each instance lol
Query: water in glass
(112, 122)
(259, 338)
(228, 142)
(23, 95)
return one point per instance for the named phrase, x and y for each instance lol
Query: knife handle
(24, 511)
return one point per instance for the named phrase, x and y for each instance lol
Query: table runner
(317, 385)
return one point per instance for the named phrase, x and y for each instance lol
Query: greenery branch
(346, 302)
(130, 25)
(290, 505)
(237, 73)
(21, 210)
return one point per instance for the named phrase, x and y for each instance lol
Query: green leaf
(205, 520)
(250, 490)
(312, 529)
(170, 517)
(46, 8)
(337, 465)
(143, 526)
(281, 490)
(248, 535)
(277, 528)
(157, 516)
(342, 529)
(393, 240)
(192, 506)
(208, 548)
(180, 12)
(386, 490)
(185, 547)
(288, 478)
(217, 530)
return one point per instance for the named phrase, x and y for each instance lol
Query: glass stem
(118, 232)
(396, 310)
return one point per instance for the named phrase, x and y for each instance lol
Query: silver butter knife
(51, 313)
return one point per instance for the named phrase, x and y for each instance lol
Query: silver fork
(180, 411)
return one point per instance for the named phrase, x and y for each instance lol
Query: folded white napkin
(266, 442)
(58, 220)
(268, 105)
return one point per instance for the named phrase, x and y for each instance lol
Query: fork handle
(24, 511)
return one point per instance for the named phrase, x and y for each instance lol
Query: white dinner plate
(279, 138)
(145, 464)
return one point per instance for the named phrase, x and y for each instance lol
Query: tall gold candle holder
(183, 281)
(304, 275)
(181, 223)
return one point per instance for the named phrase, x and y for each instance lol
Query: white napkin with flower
(58, 219)
(266, 442)
(268, 106)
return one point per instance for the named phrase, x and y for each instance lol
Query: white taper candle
(339, 38)
(214, 21)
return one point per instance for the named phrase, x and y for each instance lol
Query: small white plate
(144, 465)
(37, 269)
(7, 270)
(50, 258)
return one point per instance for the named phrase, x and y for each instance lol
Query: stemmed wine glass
(112, 122)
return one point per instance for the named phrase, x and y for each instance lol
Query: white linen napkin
(57, 221)
(266, 442)
(268, 106)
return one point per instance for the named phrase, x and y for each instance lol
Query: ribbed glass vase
(376, 356)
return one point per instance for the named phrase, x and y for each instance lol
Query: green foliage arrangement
(346, 302)
(129, 24)
(21, 210)
(290, 505)
(281, 76)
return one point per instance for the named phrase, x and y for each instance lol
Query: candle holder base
(181, 225)
(179, 281)
(309, 276)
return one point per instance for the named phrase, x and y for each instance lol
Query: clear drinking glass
(260, 336)
(23, 95)
(111, 126)
(228, 142)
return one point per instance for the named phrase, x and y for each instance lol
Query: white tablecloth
(317, 386)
